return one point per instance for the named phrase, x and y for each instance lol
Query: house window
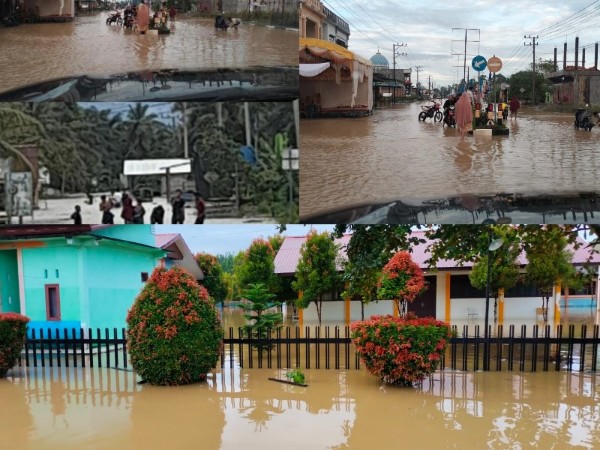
(52, 302)
(144, 277)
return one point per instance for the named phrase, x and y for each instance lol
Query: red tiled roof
(288, 256)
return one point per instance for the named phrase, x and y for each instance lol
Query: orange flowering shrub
(400, 350)
(174, 332)
(13, 329)
(402, 280)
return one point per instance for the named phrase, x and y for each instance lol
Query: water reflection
(39, 52)
(391, 156)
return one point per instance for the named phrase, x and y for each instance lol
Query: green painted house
(81, 276)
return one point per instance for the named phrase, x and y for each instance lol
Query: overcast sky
(220, 239)
(426, 29)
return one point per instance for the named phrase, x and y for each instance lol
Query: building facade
(335, 29)
(312, 16)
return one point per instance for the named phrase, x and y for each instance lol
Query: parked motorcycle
(115, 17)
(431, 112)
(583, 119)
(449, 118)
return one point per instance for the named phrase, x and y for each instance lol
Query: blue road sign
(479, 63)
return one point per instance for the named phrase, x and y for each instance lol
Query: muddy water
(38, 52)
(105, 408)
(391, 155)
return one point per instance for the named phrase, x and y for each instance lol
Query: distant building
(335, 29)
(312, 16)
(389, 83)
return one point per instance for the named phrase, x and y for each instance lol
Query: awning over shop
(312, 70)
(332, 51)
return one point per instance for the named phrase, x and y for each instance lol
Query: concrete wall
(52, 7)
(9, 282)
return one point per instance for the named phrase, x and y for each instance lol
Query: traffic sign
(494, 64)
(479, 63)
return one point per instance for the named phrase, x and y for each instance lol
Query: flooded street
(391, 155)
(39, 52)
(106, 408)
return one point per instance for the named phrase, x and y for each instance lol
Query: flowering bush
(13, 329)
(402, 280)
(174, 332)
(400, 350)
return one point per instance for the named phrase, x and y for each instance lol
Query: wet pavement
(63, 408)
(58, 211)
(40, 52)
(391, 155)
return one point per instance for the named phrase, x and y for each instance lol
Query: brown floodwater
(391, 155)
(33, 53)
(241, 409)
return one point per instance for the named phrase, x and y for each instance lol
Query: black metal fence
(537, 348)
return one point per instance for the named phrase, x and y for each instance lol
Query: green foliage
(369, 249)
(226, 262)
(505, 270)
(213, 276)
(316, 273)
(174, 332)
(276, 241)
(257, 265)
(296, 376)
(400, 350)
(524, 80)
(13, 329)
(258, 302)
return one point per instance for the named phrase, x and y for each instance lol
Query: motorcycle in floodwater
(129, 19)
(583, 119)
(115, 17)
(431, 112)
(449, 118)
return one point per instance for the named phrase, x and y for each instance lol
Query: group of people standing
(143, 15)
(133, 212)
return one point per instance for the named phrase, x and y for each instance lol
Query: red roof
(288, 256)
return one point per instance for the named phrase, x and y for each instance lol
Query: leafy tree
(316, 273)
(524, 80)
(369, 249)
(505, 270)
(276, 241)
(257, 265)
(213, 276)
(402, 281)
(258, 301)
(226, 262)
(549, 262)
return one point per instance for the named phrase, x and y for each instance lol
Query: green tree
(505, 270)
(316, 273)
(256, 305)
(257, 265)
(524, 80)
(213, 276)
(370, 247)
(226, 262)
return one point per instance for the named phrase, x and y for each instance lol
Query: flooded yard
(106, 408)
(39, 52)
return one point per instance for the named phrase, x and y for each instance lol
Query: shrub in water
(174, 332)
(400, 350)
(13, 329)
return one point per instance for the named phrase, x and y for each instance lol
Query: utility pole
(429, 85)
(532, 44)
(418, 69)
(185, 131)
(394, 47)
(464, 53)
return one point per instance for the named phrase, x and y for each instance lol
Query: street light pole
(494, 245)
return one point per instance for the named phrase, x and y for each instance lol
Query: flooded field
(38, 52)
(391, 156)
(106, 408)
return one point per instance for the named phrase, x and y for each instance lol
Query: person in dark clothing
(200, 208)
(127, 211)
(138, 213)
(105, 208)
(157, 215)
(178, 205)
(76, 216)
